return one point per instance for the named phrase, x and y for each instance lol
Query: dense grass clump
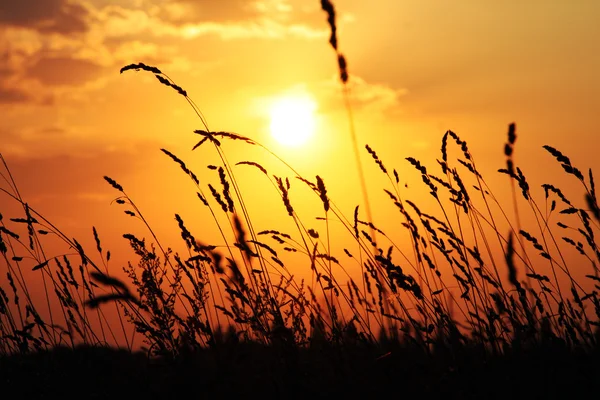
(480, 305)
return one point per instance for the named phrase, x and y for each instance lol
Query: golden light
(292, 120)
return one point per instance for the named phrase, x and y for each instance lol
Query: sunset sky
(417, 69)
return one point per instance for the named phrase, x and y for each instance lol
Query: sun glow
(293, 120)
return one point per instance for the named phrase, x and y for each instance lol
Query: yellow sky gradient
(417, 69)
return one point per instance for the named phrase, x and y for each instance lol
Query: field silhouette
(483, 305)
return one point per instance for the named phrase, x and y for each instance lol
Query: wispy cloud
(13, 95)
(187, 20)
(57, 43)
(365, 97)
(50, 70)
(48, 16)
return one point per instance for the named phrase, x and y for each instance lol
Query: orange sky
(417, 69)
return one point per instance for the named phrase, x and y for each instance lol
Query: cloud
(264, 29)
(10, 95)
(64, 71)
(191, 11)
(132, 49)
(15, 91)
(33, 63)
(374, 96)
(60, 178)
(17, 45)
(48, 16)
(195, 19)
(227, 11)
(54, 140)
(367, 97)
(72, 181)
(55, 48)
(23, 141)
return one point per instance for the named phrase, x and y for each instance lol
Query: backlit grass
(480, 297)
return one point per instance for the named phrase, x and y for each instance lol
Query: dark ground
(251, 370)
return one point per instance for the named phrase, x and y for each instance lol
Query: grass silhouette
(481, 306)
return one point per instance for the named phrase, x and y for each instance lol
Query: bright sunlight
(293, 120)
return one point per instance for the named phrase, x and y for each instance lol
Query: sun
(293, 120)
